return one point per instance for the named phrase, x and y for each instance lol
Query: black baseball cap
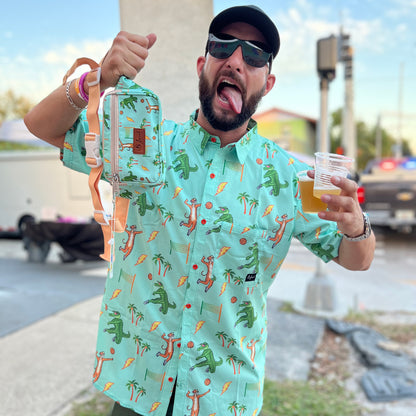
(252, 15)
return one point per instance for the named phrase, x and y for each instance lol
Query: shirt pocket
(240, 256)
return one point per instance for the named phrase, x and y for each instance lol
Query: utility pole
(379, 138)
(399, 146)
(320, 292)
(345, 55)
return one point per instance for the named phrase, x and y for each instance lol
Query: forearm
(55, 115)
(356, 255)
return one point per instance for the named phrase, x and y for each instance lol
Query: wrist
(83, 90)
(366, 232)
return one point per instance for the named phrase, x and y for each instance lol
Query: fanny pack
(127, 150)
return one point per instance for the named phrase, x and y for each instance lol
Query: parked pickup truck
(388, 193)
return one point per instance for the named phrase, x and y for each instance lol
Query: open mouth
(230, 93)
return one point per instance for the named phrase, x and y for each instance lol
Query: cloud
(70, 52)
(36, 76)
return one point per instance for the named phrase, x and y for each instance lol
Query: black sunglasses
(254, 53)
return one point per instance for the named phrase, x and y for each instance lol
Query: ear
(270, 81)
(200, 64)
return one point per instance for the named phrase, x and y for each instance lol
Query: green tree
(13, 106)
(366, 140)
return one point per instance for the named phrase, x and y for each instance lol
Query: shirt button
(203, 222)
(213, 139)
(188, 306)
(212, 176)
(170, 379)
(195, 266)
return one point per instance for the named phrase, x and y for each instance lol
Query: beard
(223, 121)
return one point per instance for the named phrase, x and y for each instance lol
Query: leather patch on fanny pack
(139, 141)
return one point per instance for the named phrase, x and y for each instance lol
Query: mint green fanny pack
(133, 152)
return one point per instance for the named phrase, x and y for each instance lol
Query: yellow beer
(310, 204)
(317, 193)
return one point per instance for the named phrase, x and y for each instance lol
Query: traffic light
(327, 57)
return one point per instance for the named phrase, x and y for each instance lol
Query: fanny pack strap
(117, 222)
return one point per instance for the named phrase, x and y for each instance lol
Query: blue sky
(40, 40)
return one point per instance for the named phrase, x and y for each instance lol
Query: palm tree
(139, 317)
(238, 280)
(228, 274)
(241, 363)
(253, 203)
(242, 408)
(145, 347)
(242, 197)
(162, 186)
(158, 259)
(231, 360)
(168, 266)
(231, 341)
(222, 335)
(161, 209)
(141, 391)
(132, 308)
(232, 407)
(131, 385)
(169, 217)
(138, 341)
(267, 147)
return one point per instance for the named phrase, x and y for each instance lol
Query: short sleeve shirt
(185, 298)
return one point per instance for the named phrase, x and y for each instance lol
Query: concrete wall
(182, 29)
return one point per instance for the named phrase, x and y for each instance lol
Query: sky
(40, 40)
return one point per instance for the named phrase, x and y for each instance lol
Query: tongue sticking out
(233, 96)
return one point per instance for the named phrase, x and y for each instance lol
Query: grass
(402, 333)
(296, 398)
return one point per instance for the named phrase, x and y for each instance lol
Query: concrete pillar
(182, 30)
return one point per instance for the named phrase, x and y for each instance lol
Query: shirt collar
(242, 147)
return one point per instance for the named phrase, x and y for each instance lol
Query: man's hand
(344, 209)
(126, 57)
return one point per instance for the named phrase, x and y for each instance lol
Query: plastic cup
(310, 204)
(328, 165)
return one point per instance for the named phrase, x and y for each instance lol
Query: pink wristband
(82, 92)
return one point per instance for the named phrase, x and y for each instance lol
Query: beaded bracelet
(69, 98)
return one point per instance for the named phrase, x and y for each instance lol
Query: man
(206, 272)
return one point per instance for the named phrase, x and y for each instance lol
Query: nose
(236, 60)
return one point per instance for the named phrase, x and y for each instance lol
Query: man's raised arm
(54, 115)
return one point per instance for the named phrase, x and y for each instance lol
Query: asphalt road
(32, 291)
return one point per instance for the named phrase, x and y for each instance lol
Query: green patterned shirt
(185, 299)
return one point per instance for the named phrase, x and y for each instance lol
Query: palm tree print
(131, 385)
(222, 336)
(228, 274)
(242, 197)
(231, 359)
(253, 203)
(232, 407)
(138, 342)
(139, 317)
(145, 347)
(158, 260)
(132, 308)
(140, 391)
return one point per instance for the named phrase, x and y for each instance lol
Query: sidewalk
(51, 361)
(48, 364)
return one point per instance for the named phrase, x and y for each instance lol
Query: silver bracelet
(69, 98)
